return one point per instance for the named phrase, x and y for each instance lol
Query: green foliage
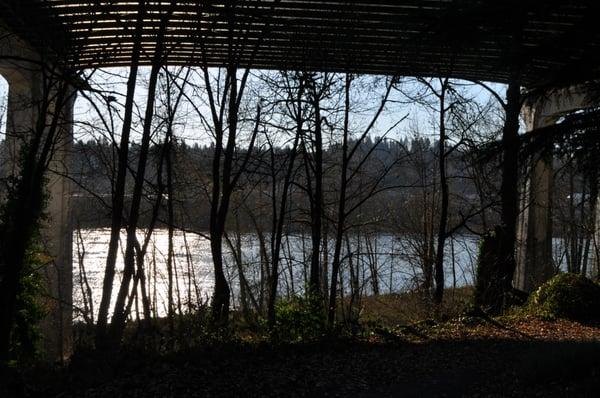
(26, 335)
(569, 296)
(197, 329)
(299, 319)
(194, 329)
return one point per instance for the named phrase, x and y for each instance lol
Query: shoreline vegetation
(397, 346)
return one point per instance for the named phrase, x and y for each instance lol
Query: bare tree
(349, 154)
(118, 197)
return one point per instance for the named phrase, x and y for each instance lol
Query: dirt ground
(461, 358)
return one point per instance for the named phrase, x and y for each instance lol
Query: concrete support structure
(21, 67)
(534, 235)
(58, 241)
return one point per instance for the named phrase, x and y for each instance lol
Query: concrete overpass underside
(549, 40)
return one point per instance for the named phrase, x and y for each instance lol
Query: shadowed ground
(470, 357)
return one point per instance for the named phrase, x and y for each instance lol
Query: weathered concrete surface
(534, 236)
(58, 242)
(21, 67)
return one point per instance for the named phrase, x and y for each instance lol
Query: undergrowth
(567, 295)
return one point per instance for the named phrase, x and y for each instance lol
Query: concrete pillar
(534, 231)
(534, 235)
(25, 94)
(58, 242)
(20, 113)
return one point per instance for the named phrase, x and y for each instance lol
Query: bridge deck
(472, 39)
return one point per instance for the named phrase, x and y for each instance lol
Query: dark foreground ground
(462, 358)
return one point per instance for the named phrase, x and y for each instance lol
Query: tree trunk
(279, 214)
(341, 211)
(120, 311)
(441, 236)
(509, 193)
(317, 208)
(118, 197)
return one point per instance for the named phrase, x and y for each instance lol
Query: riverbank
(466, 356)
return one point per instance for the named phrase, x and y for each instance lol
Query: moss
(569, 296)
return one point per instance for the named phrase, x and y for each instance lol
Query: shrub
(569, 296)
(298, 319)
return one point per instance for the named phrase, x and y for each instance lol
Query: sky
(190, 129)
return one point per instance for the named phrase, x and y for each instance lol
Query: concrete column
(25, 94)
(58, 242)
(534, 235)
(534, 231)
(20, 113)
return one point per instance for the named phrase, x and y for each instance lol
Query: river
(393, 261)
